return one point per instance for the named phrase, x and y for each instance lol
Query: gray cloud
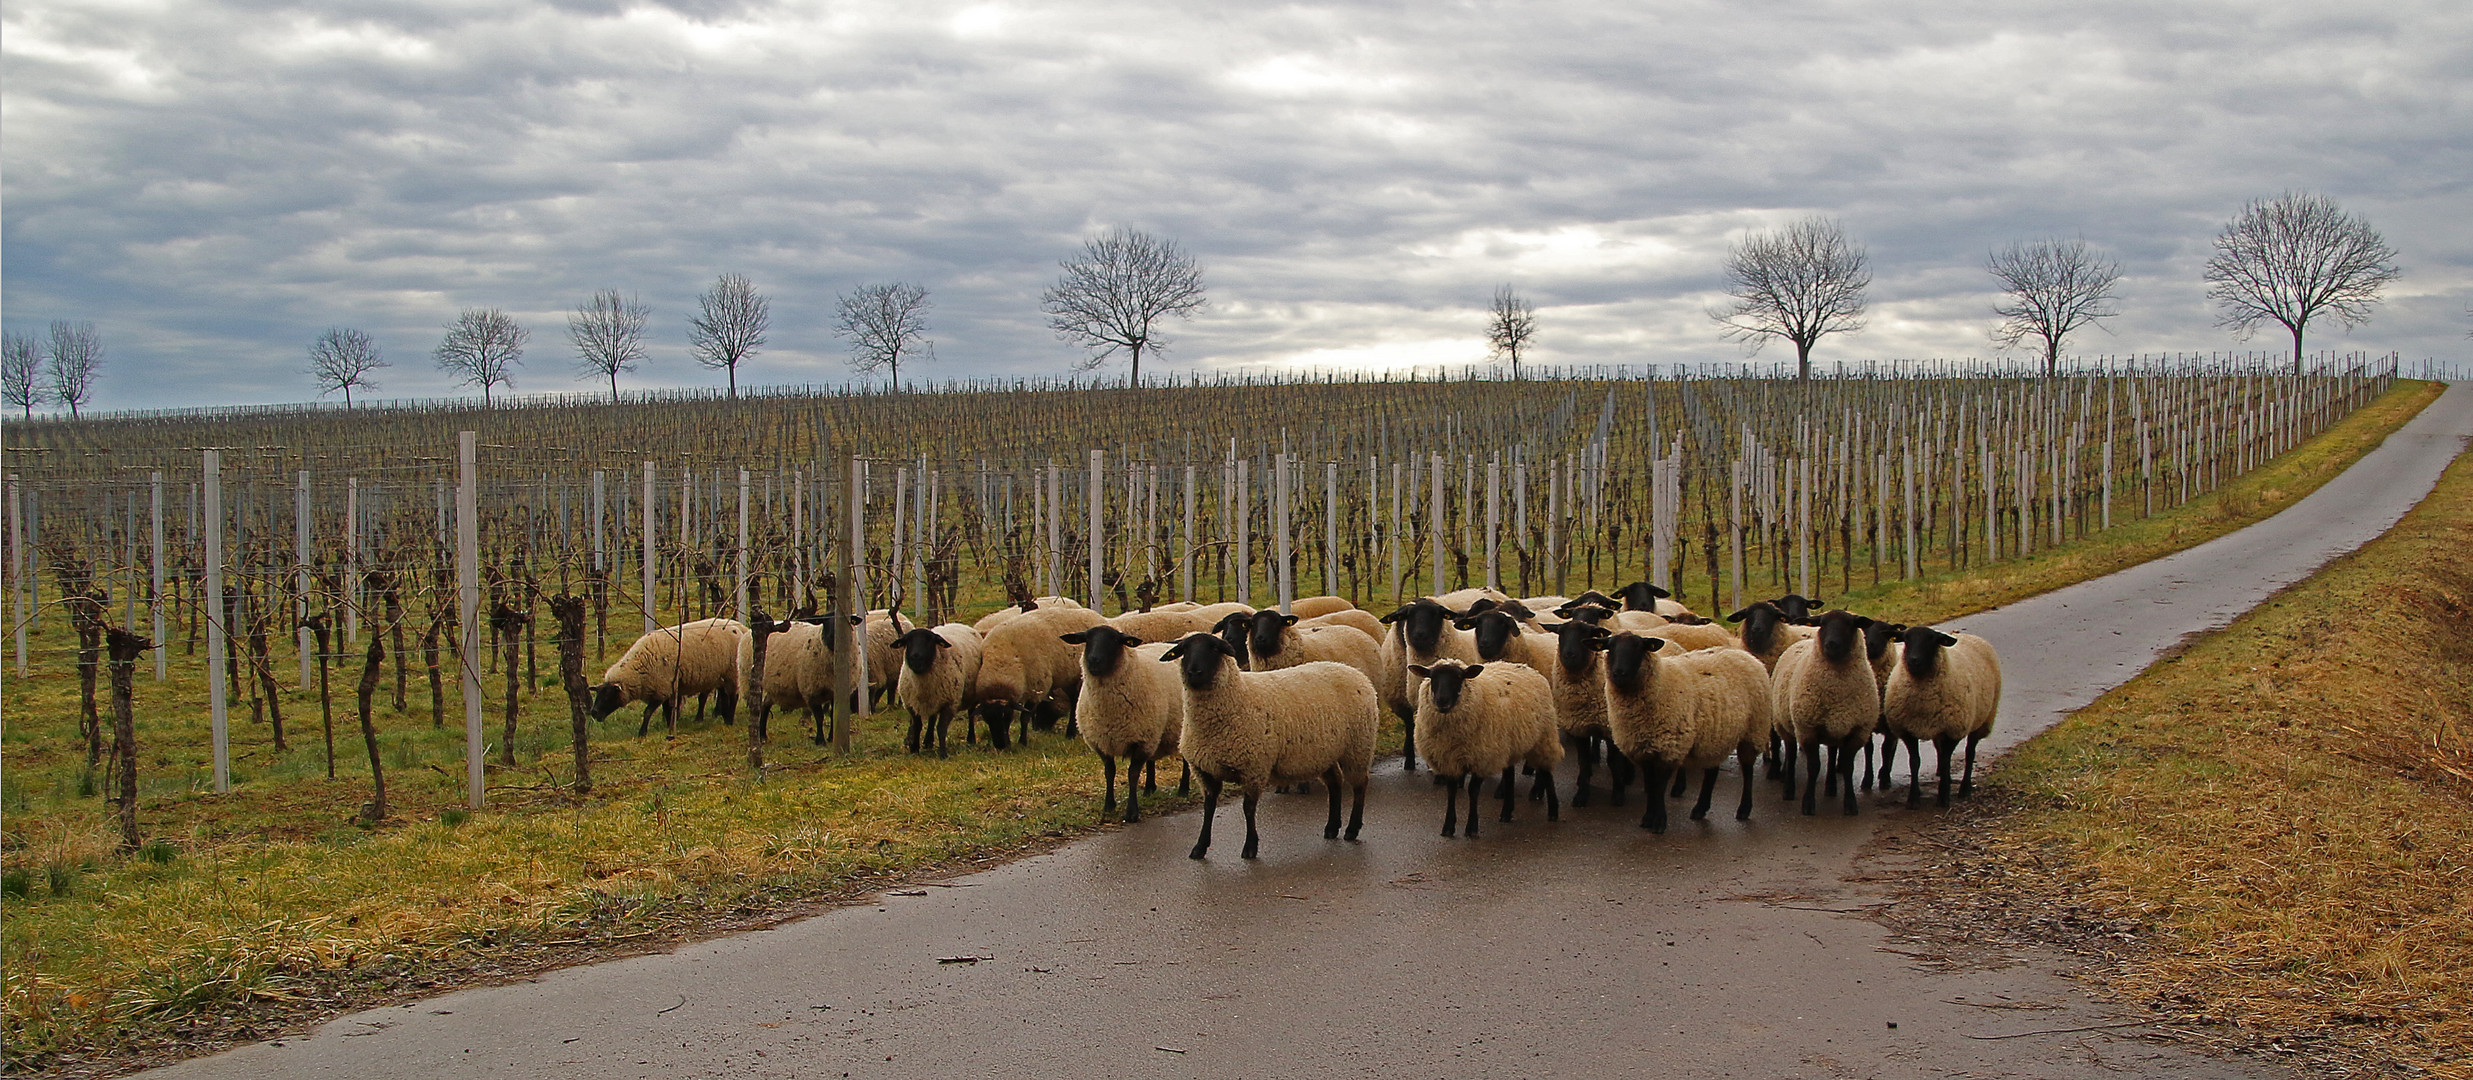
(214, 183)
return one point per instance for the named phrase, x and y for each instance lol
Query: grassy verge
(267, 907)
(2280, 817)
(1948, 594)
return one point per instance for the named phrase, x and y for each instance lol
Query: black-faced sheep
(1025, 670)
(1259, 728)
(1826, 696)
(1420, 633)
(1274, 641)
(1479, 719)
(1130, 707)
(1692, 711)
(939, 678)
(1576, 673)
(671, 664)
(1944, 689)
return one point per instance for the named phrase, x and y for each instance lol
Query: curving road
(1571, 949)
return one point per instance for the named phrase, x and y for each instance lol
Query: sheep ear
(1174, 651)
(1130, 640)
(1421, 671)
(1030, 605)
(1075, 638)
(1655, 643)
(943, 642)
(1464, 623)
(1470, 672)
(857, 619)
(1739, 616)
(1287, 620)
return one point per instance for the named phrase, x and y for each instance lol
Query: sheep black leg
(1331, 780)
(1505, 791)
(1811, 776)
(1967, 786)
(1788, 741)
(1150, 776)
(1451, 808)
(910, 742)
(1184, 780)
(1745, 755)
(1708, 787)
(1476, 786)
(1914, 772)
(1408, 743)
(1653, 779)
(1847, 753)
(1586, 750)
(1867, 761)
(1682, 783)
(1620, 768)
(1253, 838)
(1829, 785)
(1107, 803)
(645, 725)
(1889, 760)
(1210, 809)
(1944, 744)
(1554, 803)
(944, 725)
(1356, 811)
(1133, 799)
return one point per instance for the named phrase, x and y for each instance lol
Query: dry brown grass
(2272, 833)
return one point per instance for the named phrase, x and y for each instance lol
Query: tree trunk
(87, 616)
(429, 657)
(2296, 328)
(2052, 358)
(569, 611)
(507, 621)
(371, 669)
(1803, 361)
(125, 649)
(319, 630)
(1135, 379)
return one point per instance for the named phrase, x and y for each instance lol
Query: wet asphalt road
(1581, 948)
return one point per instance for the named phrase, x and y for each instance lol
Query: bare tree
(1114, 294)
(1507, 331)
(1800, 283)
(2050, 287)
(483, 347)
(883, 323)
(608, 334)
(21, 370)
(76, 354)
(729, 325)
(342, 358)
(2289, 259)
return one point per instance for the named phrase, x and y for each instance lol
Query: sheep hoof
(1252, 850)
(1196, 853)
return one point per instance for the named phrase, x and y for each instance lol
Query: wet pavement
(1578, 948)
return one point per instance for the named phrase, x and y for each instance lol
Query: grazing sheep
(1943, 689)
(1130, 707)
(671, 664)
(1473, 729)
(939, 676)
(1258, 728)
(1686, 712)
(1024, 668)
(1274, 641)
(1826, 695)
(1420, 633)
(1307, 607)
(1575, 672)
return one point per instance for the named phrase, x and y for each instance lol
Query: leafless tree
(608, 334)
(1509, 327)
(76, 355)
(342, 358)
(1800, 283)
(2289, 259)
(2050, 288)
(21, 370)
(729, 325)
(1113, 295)
(884, 323)
(483, 347)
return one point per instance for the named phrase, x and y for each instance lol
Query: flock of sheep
(1487, 686)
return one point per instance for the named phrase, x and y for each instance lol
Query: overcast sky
(214, 183)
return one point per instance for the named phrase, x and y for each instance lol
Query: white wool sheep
(671, 664)
(1258, 728)
(1274, 641)
(987, 623)
(1460, 600)
(1500, 637)
(939, 676)
(1690, 711)
(1480, 719)
(1362, 621)
(1130, 707)
(1307, 607)
(1825, 695)
(1420, 633)
(1944, 689)
(1574, 670)
(1024, 668)
(884, 658)
(1160, 624)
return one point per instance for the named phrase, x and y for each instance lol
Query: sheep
(1642, 596)
(1256, 728)
(1689, 636)
(1944, 689)
(938, 678)
(1573, 671)
(1767, 633)
(1880, 646)
(1472, 729)
(1420, 633)
(669, 664)
(1797, 608)
(1131, 707)
(1687, 712)
(1825, 695)
(1499, 637)
(884, 658)
(1023, 667)
(1308, 607)
(1275, 641)
(1363, 622)
(1460, 600)
(1163, 624)
(988, 623)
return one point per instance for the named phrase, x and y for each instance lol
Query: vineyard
(196, 603)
